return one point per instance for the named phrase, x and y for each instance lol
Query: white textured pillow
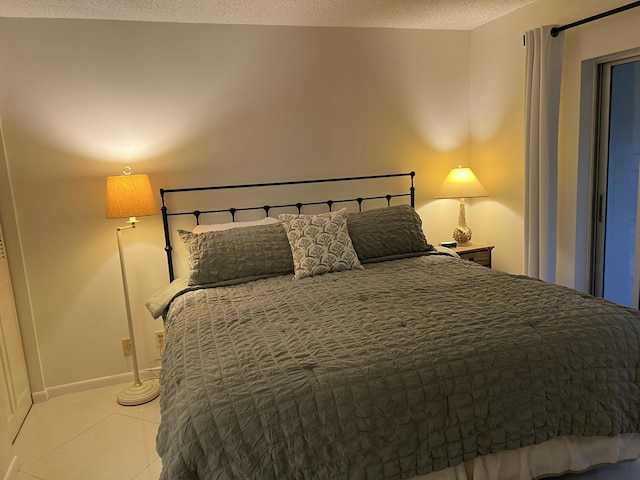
(320, 243)
(219, 227)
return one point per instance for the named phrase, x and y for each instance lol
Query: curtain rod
(556, 30)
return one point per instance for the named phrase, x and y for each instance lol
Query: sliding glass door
(617, 242)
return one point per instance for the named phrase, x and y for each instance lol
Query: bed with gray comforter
(403, 368)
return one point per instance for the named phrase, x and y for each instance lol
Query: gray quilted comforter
(404, 368)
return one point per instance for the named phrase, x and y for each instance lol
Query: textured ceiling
(419, 14)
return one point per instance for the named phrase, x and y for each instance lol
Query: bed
(342, 345)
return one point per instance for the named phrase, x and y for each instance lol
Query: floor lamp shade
(461, 183)
(131, 196)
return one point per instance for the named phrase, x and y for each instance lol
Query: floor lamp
(130, 196)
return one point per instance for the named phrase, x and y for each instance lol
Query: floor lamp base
(138, 393)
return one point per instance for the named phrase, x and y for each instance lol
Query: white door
(14, 383)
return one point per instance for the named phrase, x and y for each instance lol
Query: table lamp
(461, 183)
(130, 196)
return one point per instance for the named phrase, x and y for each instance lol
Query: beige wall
(497, 120)
(194, 105)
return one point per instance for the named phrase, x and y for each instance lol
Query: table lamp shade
(461, 183)
(130, 196)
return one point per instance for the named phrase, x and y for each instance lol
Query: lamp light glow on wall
(130, 196)
(461, 183)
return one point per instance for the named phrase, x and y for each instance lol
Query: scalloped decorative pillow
(320, 243)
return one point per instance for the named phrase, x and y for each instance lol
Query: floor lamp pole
(139, 392)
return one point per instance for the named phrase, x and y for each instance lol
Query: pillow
(319, 243)
(216, 227)
(237, 253)
(385, 232)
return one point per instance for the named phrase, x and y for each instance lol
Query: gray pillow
(239, 253)
(387, 232)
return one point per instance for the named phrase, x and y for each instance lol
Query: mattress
(406, 368)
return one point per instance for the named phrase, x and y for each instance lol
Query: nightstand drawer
(475, 252)
(483, 257)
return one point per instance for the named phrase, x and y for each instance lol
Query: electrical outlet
(126, 346)
(160, 339)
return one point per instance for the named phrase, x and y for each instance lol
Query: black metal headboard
(267, 208)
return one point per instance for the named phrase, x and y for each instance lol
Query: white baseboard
(12, 473)
(90, 384)
(39, 397)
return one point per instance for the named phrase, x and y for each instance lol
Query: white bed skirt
(554, 458)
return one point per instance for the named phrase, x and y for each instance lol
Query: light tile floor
(88, 435)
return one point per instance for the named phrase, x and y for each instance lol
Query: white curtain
(542, 105)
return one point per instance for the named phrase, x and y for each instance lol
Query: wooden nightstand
(475, 252)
